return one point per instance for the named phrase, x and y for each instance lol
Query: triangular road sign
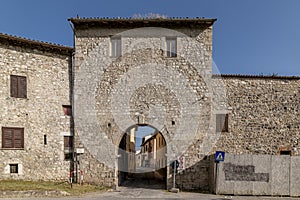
(219, 156)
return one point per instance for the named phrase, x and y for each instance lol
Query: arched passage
(142, 158)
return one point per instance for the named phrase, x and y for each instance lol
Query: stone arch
(147, 163)
(121, 66)
(100, 76)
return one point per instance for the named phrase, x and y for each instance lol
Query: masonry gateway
(125, 73)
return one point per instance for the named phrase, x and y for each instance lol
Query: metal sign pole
(217, 177)
(174, 174)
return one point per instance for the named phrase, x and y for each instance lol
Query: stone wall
(264, 115)
(258, 175)
(109, 92)
(41, 113)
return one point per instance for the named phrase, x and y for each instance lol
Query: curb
(33, 193)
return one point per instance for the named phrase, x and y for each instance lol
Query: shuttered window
(222, 122)
(18, 86)
(116, 48)
(12, 137)
(171, 47)
(68, 141)
(68, 147)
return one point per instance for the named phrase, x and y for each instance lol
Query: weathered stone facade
(172, 94)
(111, 91)
(263, 114)
(47, 71)
(177, 95)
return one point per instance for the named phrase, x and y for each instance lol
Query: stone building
(127, 160)
(35, 91)
(153, 150)
(129, 72)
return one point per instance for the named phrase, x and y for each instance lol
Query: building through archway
(142, 157)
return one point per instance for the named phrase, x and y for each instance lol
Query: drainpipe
(74, 157)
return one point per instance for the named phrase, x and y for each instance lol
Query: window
(45, 139)
(116, 47)
(285, 152)
(18, 86)
(12, 137)
(68, 147)
(67, 109)
(222, 122)
(171, 47)
(13, 168)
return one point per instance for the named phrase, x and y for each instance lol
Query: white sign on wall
(80, 150)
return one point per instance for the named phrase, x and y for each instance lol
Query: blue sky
(141, 132)
(250, 36)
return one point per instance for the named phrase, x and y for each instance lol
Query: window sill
(167, 57)
(65, 116)
(18, 98)
(12, 149)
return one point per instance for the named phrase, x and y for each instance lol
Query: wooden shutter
(18, 86)
(12, 137)
(18, 138)
(13, 86)
(68, 141)
(7, 138)
(22, 87)
(225, 123)
(222, 122)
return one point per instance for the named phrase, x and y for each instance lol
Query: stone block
(262, 164)
(295, 176)
(223, 186)
(280, 177)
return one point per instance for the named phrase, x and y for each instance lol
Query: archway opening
(142, 158)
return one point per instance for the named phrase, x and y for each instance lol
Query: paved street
(141, 193)
(152, 190)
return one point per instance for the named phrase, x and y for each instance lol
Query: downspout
(73, 158)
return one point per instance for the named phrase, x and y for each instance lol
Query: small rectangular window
(286, 152)
(171, 47)
(13, 168)
(222, 122)
(116, 48)
(67, 109)
(12, 137)
(68, 147)
(18, 86)
(45, 139)
(68, 156)
(68, 141)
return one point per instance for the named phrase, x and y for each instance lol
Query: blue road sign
(219, 156)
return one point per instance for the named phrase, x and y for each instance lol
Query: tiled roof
(142, 22)
(254, 76)
(43, 46)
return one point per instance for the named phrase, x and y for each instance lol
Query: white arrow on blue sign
(219, 156)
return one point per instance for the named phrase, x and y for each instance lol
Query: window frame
(222, 123)
(67, 109)
(169, 50)
(13, 140)
(18, 86)
(115, 47)
(68, 147)
(13, 168)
